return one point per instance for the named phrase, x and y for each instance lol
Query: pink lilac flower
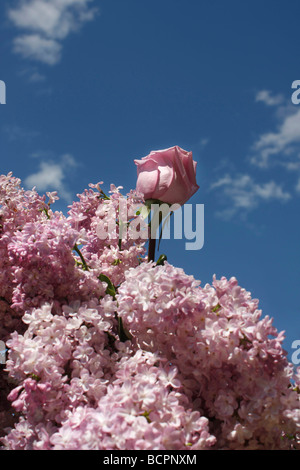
(230, 359)
(115, 252)
(142, 358)
(139, 413)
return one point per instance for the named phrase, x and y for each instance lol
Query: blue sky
(92, 85)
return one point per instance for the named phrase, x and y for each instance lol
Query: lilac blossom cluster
(230, 360)
(109, 351)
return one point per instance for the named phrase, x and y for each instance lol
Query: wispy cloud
(279, 146)
(16, 133)
(241, 193)
(34, 46)
(267, 98)
(32, 74)
(52, 176)
(36, 77)
(44, 24)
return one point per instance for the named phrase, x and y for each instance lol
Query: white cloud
(281, 146)
(45, 23)
(242, 193)
(33, 46)
(52, 176)
(266, 97)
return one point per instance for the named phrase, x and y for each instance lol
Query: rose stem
(151, 249)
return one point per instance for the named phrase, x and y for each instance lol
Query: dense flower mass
(230, 360)
(109, 351)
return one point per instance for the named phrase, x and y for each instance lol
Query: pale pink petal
(166, 178)
(147, 178)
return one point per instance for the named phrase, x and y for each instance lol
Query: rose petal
(147, 177)
(190, 168)
(165, 180)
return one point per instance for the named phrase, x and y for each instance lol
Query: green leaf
(35, 377)
(116, 262)
(161, 260)
(46, 212)
(216, 308)
(146, 415)
(111, 290)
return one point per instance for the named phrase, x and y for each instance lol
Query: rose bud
(167, 175)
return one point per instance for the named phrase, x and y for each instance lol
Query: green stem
(85, 266)
(104, 195)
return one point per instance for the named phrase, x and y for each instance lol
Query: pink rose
(167, 175)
